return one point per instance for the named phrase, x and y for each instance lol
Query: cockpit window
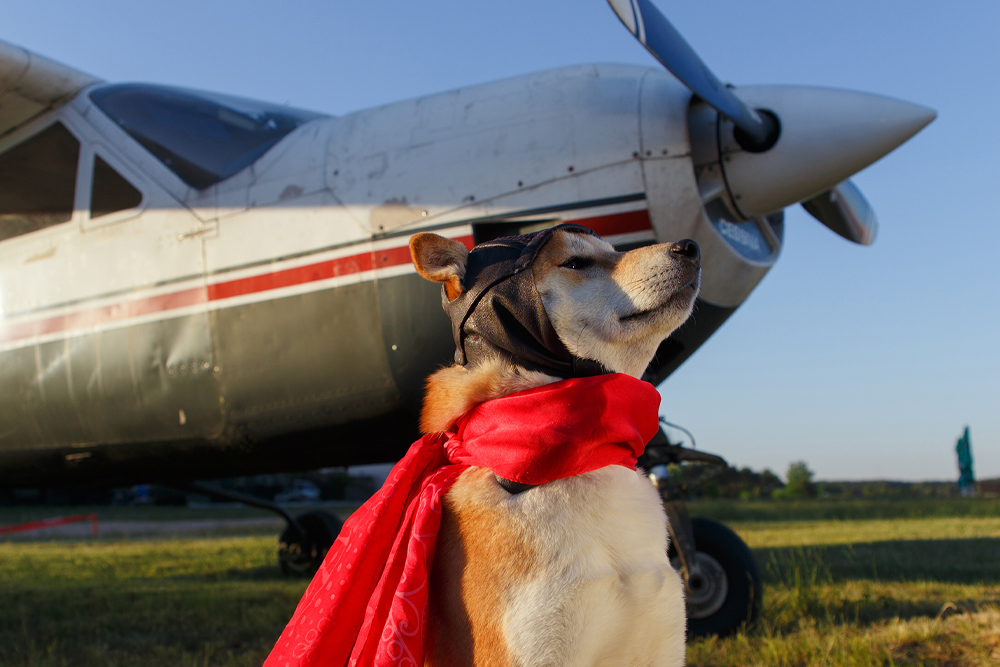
(204, 138)
(110, 192)
(38, 182)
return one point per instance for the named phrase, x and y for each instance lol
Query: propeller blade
(846, 211)
(662, 40)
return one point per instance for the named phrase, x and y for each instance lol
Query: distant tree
(799, 484)
(769, 483)
(729, 482)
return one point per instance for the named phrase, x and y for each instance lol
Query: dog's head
(561, 301)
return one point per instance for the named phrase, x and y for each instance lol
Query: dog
(573, 571)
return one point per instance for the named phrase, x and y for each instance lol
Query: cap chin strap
(500, 313)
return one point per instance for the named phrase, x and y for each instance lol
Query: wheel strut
(303, 543)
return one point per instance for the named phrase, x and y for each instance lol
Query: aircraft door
(162, 364)
(105, 337)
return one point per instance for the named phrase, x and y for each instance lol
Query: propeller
(786, 144)
(846, 211)
(661, 39)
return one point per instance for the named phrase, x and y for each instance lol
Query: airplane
(196, 286)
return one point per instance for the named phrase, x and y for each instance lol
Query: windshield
(204, 138)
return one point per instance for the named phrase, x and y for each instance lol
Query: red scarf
(367, 604)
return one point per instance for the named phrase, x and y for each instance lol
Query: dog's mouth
(639, 314)
(682, 294)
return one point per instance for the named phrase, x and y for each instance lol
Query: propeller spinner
(775, 146)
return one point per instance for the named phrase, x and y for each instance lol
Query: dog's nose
(686, 248)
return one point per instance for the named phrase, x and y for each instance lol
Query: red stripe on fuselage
(288, 277)
(620, 223)
(95, 316)
(609, 225)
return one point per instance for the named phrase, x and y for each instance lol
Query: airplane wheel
(725, 595)
(301, 552)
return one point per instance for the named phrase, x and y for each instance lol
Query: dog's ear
(440, 260)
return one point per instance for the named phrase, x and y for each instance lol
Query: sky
(867, 363)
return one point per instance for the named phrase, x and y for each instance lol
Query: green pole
(966, 478)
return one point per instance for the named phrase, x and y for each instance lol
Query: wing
(30, 85)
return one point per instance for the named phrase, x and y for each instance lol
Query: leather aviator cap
(500, 313)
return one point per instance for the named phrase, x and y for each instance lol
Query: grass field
(889, 582)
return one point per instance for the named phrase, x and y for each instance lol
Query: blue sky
(864, 362)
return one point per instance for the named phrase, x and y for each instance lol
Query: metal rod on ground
(213, 491)
(48, 523)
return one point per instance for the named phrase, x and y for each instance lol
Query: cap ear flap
(440, 260)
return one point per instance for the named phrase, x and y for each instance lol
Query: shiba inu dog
(573, 571)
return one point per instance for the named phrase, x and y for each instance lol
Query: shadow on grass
(845, 509)
(869, 583)
(964, 561)
(261, 573)
(144, 621)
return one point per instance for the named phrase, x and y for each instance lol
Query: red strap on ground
(48, 523)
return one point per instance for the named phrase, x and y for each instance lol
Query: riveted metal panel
(20, 399)
(416, 331)
(302, 362)
(482, 150)
(143, 383)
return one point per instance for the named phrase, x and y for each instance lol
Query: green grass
(913, 591)
(897, 586)
(730, 511)
(154, 602)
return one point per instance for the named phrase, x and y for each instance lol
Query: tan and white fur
(573, 572)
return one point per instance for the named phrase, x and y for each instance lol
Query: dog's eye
(577, 263)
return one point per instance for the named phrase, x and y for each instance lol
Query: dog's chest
(576, 569)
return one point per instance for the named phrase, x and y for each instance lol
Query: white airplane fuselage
(274, 319)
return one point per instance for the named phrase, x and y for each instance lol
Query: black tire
(727, 596)
(302, 552)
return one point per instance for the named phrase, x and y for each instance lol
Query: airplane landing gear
(723, 587)
(303, 544)
(707, 586)
(722, 582)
